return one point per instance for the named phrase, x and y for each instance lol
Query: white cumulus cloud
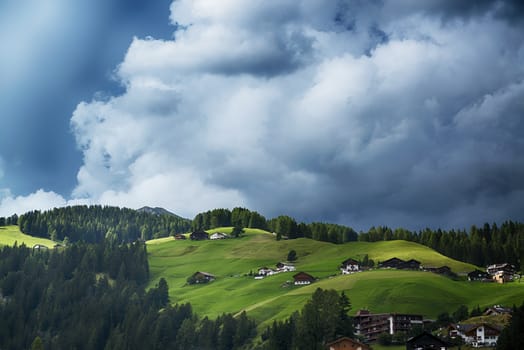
(39, 200)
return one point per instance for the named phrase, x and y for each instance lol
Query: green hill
(11, 234)
(379, 290)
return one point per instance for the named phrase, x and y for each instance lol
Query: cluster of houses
(299, 279)
(350, 266)
(280, 267)
(479, 334)
(368, 326)
(500, 273)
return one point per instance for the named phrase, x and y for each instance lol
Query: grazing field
(11, 234)
(234, 290)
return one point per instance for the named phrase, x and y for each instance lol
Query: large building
(370, 326)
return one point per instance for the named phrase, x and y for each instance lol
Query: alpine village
(100, 277)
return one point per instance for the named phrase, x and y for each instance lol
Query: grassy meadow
(11, 234)
(272, 298)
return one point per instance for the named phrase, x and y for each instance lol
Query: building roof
(198, 234)
(347, 339)
(497, 310)
(350, 261)
(207, 274)
(303, 276)
(426, 336)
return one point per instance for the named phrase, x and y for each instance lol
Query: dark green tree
(237, 231)
(512, 337)
(292, 255)
(461, 313)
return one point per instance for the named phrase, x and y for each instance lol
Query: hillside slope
(379, 290)
(11, 234)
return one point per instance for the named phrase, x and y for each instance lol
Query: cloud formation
(376, 113)
(39, 200)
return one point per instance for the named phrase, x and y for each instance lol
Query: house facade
(478, 275)
(349, 266)
(303, 278)
(370, 326)
(501, 273)
(493, 269)
(265, 271)
(346, 343)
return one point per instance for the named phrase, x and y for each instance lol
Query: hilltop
(234, 290)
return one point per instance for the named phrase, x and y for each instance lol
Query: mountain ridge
(158, 211)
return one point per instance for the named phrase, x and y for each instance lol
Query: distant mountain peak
(156, 211)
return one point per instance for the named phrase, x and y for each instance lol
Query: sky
(402, 113)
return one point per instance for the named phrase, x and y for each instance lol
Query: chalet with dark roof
(393, 263)
(201, 277)
(426, 341)
(199, 236)
(411, 264)
(303, 278)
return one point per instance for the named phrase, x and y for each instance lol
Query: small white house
(349, 266)
(218, 235)
(285, 267)
(265, 271)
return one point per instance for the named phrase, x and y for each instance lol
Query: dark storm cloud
(55, 54)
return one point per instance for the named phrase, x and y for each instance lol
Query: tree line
(283, 226)
(480, 246)
(322, 319)
(75, 298)
(96, 223)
